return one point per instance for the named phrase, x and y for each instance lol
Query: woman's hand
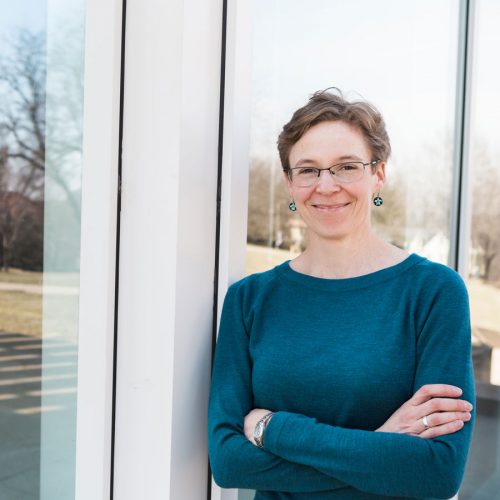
(437, 402)
(251, 420)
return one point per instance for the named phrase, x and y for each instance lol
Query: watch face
(258, 429)
(257, 435)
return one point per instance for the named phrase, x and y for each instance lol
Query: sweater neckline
(365, 280)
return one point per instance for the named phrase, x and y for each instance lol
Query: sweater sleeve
(234, 460)
(390, 463)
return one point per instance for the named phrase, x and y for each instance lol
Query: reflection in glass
(408, 81)
(41, 98)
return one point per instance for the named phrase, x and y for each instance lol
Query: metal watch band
(260, 426)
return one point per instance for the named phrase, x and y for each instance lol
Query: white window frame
(462, 190)
(235, 160)
(103, 35)
(167, 248)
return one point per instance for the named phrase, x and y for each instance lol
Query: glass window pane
(41, 100)
(380, 56)
(482, 478)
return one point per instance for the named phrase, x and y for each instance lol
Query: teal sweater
(334, 358)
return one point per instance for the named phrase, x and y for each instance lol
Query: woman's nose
(327, 181)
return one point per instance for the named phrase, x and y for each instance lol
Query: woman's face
(331, 209)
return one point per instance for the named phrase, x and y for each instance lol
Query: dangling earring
(377, 201)
(292, 206)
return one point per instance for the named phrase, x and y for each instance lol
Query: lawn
(24, 295)
(21, 312)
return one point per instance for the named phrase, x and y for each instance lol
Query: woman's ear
(288, 183)
(380, 173)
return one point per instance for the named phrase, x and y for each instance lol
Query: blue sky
(28, 14)
(401, 55)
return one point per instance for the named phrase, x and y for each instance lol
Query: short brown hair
(328, 106)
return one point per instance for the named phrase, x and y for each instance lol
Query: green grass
(20, 276)
(21, 312)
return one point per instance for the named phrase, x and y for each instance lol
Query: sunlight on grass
(260, 258)
(20, 276)
(21, 312)
(23, 295)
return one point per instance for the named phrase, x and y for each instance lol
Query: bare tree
(22, 112)
(485, 212)
(22, 150)
(268, 212)
(390, 218)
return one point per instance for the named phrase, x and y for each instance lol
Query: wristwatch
(260, 427)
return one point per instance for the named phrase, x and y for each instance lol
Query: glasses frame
(332, 172)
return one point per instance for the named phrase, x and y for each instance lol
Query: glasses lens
(349, 172)
(304, 176)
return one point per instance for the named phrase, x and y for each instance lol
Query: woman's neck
(354, 255)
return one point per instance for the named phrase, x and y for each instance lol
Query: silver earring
(292, 206)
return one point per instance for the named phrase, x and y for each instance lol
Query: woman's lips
(334, 207)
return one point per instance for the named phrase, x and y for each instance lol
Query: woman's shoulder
(256, 282)
(434, 277)
(436, 270)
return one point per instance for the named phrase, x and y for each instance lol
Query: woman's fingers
(429, 391)
(429, 401)
(441, 430)
(435, 405)
(446, 417)
(444, 423)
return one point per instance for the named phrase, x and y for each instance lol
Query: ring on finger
(425, 422)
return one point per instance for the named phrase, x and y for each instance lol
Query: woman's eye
(348, 166)
(307, 171)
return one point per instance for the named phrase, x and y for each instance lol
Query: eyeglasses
(344, 173)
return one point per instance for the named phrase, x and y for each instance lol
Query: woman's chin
(331, 234)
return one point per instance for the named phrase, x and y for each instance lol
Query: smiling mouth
(330, 208)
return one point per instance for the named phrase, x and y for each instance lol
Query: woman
(346, 372)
